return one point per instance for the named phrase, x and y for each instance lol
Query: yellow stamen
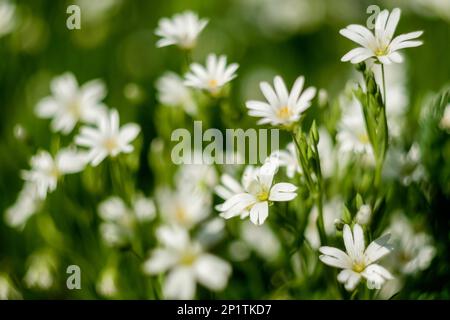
(180, 215)
(188, 258)
(110, 144)
(363, 138)
(213, 83)
(263, 195)
(284, 112)
(358, 267)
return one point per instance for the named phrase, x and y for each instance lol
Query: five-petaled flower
(282, 107)
(214, 76)
(359, 261)
(182, 30)
(107, 139)
(259, 192)
(379, 45)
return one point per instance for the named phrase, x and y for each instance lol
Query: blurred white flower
(181, 30)
(70, 104)
(46, 171)
(414, 250)
(405, 167)
(196, 178)
(282, 107)
(329, 157)
(25, 206)
(95, 11)
(107, 282)
(212, 78)
(352, 135)
(119, 220)
(261, 239)
(288, 159)
(259, 191)
(359, 261)
(445, 121)
(144, 208)
(7, 17)
(7, 289)
(182, 207)
(379, 45)
(332, 210)
(107, 139)
(172, 92)
(186, 264)
(40, 272)
(363, 215)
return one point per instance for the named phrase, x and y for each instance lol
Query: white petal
(180, 284)
(282, 192)
(212, 272)
(378, 249)
(259, 212)
(159, 261)
(339, 258)
(128, 133)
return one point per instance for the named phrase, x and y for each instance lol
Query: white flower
(259, 191)
(282, 107)
(186, 264)
(40, 273)
(144, 208)
(119, 220)
(70, 104)
(25, 206)
(46, 171)
(7, 289)
(182, 30)
(406, 167)
(352, 135)
(414, 249)
(182, 207)
(363, 215)
(379, 45)
(107, 283)
(261, 239)
(359, 261)
(107, 139)
(7, 17)
(214, 76)
(197, 178)
(172, 92)
(229, 187)
(445, 121)
(332, 210)
(288, 159)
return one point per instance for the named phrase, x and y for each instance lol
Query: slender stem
(316, 189)
(384, 85)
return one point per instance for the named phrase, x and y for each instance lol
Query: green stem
(316, 189)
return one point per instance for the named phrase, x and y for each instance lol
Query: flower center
(180, 215)
(111, 144)
(381, 51)
(363, 138)
(213, 83)
(74, 108)
(263, 195)
(358, 267)
(284, 112)
(188, 258)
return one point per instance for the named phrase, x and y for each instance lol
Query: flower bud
(363, 215)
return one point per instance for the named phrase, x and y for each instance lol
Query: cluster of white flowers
(68, 106)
